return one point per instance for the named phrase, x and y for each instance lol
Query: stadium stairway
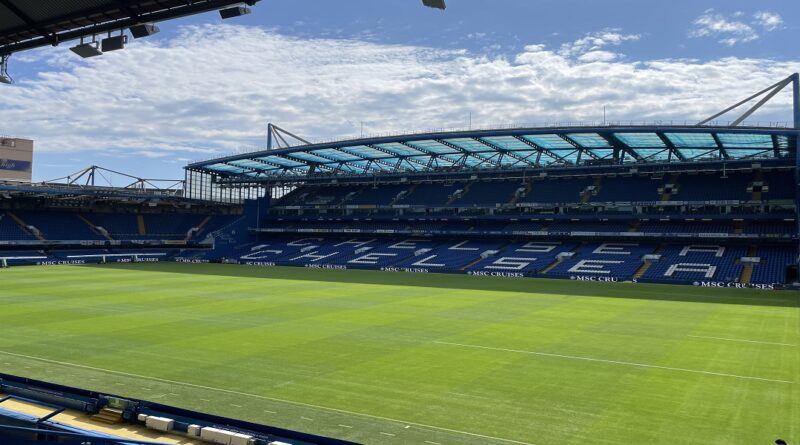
(460, 195)
(646, 264)
(758, 177)
(666, 195)
(517, 194)
(558, 260)
(194, 231)
(403, 195)
(501, 248)
(587, 194)
(95, 229)
(747, 269)
(25, 227)
(142, 229)
(108, 416)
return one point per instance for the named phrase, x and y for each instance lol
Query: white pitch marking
(307, 418)
(345, 426)
(743, 341)
(271, 412)
(273, 399)
(237, 406)
(432, 443)
(614, 362)
(387, 434)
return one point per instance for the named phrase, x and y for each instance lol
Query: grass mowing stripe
(614, 362)
(743, 341)
(240, 393)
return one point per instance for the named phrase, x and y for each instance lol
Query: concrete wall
(16, 159)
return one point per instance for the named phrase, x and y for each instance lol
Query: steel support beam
(542, 151)
(672, 149)
(49, 37)
(720, 146)
(476, 155)
(618, 145)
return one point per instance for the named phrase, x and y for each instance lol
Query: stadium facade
(710, 206)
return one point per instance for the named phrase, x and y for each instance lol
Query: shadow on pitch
(639, 291)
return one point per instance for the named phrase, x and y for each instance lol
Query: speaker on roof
(143, 30)
(438, 4)
(113, 43)
(236, 11)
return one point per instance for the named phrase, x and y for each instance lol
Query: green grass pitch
(385, 358)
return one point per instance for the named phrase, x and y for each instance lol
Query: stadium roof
(507, 149)
(27, 24)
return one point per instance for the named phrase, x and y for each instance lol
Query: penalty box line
(272, 399)
(613, 362)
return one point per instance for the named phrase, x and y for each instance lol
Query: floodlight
(144, 30)
(438, 4)
(86, 50)
(236, 11)
(113, 43)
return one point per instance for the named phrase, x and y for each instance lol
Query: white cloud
(731, 31)
(213, 88)
(768, 20)
(596, 41)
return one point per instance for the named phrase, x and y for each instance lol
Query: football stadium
(608, 283)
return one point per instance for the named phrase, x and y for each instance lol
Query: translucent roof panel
(408, 164)
(433, 146)
(365, 152)
(782, 141)
(589, 140)
(225, 168)
(506, 160)
(400, 149)
(508, 143)
(336, 154)
(549, 141)
(308, 157)
(691, 140)
(653, 154)
(692, 153)
(255, 165)
(738, 153)
(471, 145)
(602, 154)
(640, 140)
(560, 157)
(281, 161)
(743, 140)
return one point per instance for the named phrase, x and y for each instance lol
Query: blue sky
(204, 87)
